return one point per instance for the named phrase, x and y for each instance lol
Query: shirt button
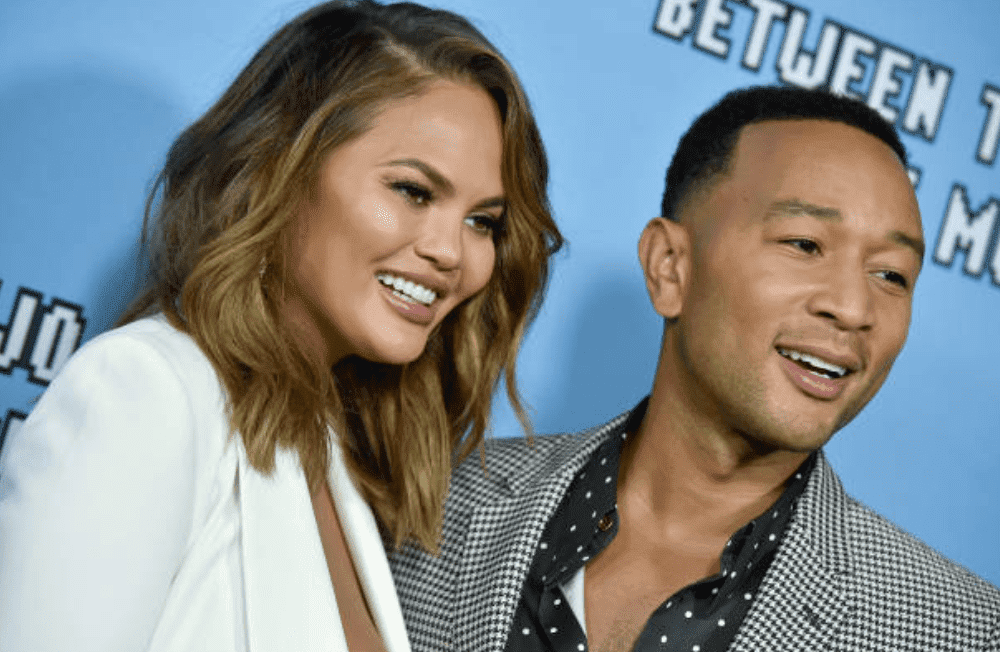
(606, 522)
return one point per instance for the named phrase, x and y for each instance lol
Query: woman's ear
(664, 253)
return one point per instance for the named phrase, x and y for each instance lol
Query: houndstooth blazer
(844, 578)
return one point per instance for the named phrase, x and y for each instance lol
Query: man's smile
(819, 377)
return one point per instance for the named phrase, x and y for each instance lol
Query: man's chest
(627, 583)
(668, 589)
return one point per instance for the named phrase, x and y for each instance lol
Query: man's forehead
(794, 148)
(784, 167)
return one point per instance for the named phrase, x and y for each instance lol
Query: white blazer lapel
(365, 544)
(290, 603)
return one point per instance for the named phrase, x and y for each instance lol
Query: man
(707, 518)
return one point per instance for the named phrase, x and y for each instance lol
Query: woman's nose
(440, 239)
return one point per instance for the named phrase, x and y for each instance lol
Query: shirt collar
(576, 532)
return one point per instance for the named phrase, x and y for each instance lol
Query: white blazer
(131, 520)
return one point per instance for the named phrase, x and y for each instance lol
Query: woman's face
(400, 227)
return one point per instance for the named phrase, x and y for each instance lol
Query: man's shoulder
(898, 563)
(504, 466)
(843, 564)
(524, 455)
(516, 465)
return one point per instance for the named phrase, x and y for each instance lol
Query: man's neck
(695, 482)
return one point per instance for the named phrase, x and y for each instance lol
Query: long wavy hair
(220, 213)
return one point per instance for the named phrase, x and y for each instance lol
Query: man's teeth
(831, 370)
(408, 290)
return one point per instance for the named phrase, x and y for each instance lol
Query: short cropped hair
(706, 150)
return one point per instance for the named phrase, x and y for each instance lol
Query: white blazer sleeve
(96, 495)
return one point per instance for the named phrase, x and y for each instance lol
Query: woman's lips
(412, 311)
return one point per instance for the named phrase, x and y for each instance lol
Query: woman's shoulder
(126, 451)
(152, 353)
(153, 340)
(147, 378)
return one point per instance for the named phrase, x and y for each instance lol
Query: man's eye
(803, 244)
(895, 278)
(414, 192)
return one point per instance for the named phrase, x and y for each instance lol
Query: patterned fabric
(844, 579)
(703, 616)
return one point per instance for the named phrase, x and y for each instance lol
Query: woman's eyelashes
(416, 193)
(421, 196)
(485, 224)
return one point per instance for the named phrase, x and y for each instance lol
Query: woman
(345, 252)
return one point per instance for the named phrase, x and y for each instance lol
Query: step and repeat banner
(92, 93)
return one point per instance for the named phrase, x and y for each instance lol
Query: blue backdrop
(92, 93)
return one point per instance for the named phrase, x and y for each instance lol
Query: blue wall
(92, 93)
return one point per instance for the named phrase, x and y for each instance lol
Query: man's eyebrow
(916, 244)
(793, 207)
(439, 180)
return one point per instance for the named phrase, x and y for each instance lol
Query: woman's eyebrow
(439, 180)
(492, 202)
(429, 171)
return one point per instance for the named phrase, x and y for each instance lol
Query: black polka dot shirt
(702, 617)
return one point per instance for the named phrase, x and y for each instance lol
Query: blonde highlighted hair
(220, 213)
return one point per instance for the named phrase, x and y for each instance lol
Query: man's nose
(845, 298)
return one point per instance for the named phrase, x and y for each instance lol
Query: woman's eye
(803, 244)
(414, 192)
(484, 224)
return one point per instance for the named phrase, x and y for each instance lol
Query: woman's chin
(395, 352)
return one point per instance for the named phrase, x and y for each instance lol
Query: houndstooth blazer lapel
(499, 549)
(503, 535)
(807, 593)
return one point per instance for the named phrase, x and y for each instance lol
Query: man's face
(803, 262)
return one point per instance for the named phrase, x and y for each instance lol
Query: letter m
(965, 230)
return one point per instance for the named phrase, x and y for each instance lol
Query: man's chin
(800, 435)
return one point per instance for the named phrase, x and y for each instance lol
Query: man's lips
(820, 373)
(833, 361)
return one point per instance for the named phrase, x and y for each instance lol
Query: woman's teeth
(407, 290)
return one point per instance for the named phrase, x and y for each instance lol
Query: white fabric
(131, 520)
(573, 592)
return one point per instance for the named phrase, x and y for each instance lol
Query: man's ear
(664, 253)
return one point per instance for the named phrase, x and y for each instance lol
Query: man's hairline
(705, 183)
